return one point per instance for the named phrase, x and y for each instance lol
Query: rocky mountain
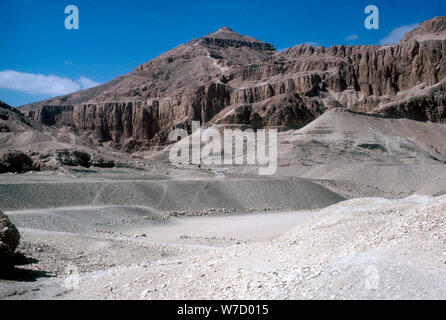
(431, 29)
(228, 78)
(12, 120)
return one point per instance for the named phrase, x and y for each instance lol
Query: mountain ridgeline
(228, 78)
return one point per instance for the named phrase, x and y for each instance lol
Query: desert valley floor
(356, 210)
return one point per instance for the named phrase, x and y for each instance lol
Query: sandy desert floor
(106, 247)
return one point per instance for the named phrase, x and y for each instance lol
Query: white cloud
(397, 34)
(352, 37)
(41, 84)
(86, 83)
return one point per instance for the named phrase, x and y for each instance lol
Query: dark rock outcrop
(73, 158)
(15, 161)
(70, 158)
(9, 240)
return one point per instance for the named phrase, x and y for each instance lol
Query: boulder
(9, 240)
(15, 161)
(73, 158)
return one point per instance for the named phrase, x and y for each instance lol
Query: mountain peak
(224, 28)
(226, 37)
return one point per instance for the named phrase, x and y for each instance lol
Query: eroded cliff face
(227, 78)
(12, 120)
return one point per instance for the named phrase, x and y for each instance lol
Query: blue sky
(39, 58)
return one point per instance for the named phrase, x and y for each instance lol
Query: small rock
(145, 292)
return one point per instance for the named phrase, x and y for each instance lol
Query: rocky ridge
(227, 78)
(12, 120)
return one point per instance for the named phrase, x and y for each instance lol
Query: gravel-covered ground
(363, 248)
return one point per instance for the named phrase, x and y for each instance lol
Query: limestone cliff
(227, 78)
